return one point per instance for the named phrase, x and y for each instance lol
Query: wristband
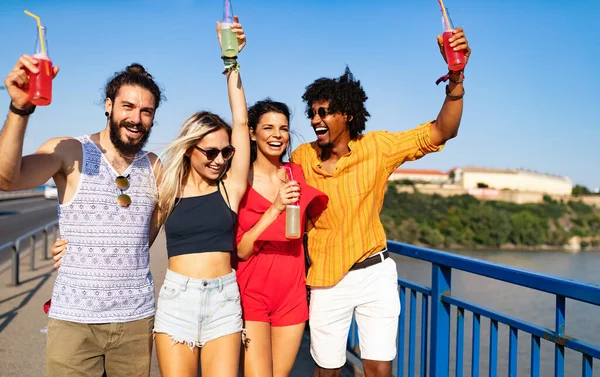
(452, 97)
(21, 112)
(230, 64)
(446, 77)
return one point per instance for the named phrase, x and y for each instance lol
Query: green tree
(491, 228)
(464, 220)
(452, 176)
(406, 182)
(579, 190)
(527, 229)
(467, 237)
(409, 231)
(451, 228)
(431, 236)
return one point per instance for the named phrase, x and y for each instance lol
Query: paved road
(18, 216)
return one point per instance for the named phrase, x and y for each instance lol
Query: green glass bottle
(229, 43)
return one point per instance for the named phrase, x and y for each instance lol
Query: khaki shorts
(117, 349)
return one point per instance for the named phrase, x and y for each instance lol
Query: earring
(106, 114)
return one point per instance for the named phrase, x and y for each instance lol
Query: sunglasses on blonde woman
(212, 153)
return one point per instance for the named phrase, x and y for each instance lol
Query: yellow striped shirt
(350, 230)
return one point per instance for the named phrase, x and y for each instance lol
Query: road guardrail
(18, 246)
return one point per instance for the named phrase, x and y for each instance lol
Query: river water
(582, 320)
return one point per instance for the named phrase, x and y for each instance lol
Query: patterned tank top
(104, 275)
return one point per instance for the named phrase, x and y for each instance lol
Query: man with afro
(350, 270)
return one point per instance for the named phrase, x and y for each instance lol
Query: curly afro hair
(346, 96)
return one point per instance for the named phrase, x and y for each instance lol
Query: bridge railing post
(15, 261)
(49, 231)
(32, 252)
(46, 243)
(441, 283)
(17, 247)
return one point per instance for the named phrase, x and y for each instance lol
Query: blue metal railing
(435, 350)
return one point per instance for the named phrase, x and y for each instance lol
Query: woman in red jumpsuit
(270, 267)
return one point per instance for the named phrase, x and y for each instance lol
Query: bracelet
(446, 77)
(21, 112)
(230, 64)
(461, 77)
(452, 97)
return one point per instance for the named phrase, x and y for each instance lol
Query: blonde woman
(201, 182)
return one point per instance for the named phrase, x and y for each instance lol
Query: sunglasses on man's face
(123, 184)
(321, 111)
(212, 153)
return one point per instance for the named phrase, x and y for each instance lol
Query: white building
(516, 180)
(427, 176)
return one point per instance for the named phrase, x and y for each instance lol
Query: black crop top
(200, 224)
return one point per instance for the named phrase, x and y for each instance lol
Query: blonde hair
(173, 166)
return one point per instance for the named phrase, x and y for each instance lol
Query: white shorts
(371, 294)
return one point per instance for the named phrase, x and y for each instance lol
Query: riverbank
(464, 222)
(574, 246)
(511, 247)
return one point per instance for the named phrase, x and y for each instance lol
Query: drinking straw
(446, 19)
(39, 24)
(289, 170)
(227, 7)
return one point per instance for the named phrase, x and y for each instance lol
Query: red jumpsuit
(273, 280)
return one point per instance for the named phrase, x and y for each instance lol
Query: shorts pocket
(231, 292)
(169, 290)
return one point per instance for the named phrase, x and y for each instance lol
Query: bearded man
(102, 312)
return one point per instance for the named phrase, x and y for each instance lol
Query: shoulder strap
(89, 154)
(226, 195)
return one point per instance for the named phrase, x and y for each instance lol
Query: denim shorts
(195, 311)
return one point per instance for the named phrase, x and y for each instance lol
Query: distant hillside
(464, 221)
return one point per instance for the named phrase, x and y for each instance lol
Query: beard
(130, 147)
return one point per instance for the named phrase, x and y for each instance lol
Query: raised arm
(237, 177)
(448, 120)
(240, 138)
(16, 172)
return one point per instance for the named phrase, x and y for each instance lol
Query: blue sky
(531, 86)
